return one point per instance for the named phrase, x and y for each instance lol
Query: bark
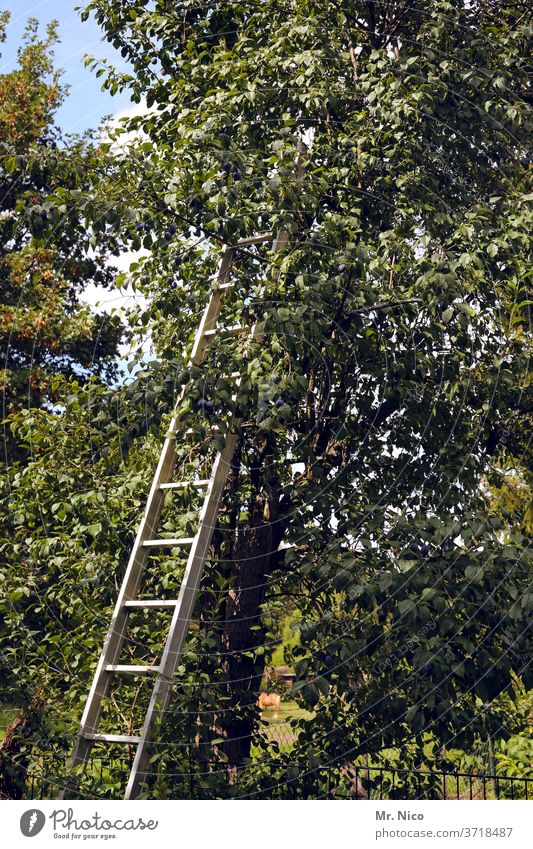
(255, 555)
(248, 563)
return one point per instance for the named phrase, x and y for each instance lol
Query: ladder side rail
(182, 613)
(189, 589)
(132, 577)
(212, 309)
(128, 591)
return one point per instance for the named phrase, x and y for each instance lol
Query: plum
(206, 406)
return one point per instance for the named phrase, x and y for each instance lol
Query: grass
(8, 713)
(278, 729)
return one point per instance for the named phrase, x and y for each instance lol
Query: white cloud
(110, 300)
(118, 299)
(116, 122)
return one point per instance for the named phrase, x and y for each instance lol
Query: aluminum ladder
(146, 541)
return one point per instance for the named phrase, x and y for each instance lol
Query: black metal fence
(271, 780)
(385, 782)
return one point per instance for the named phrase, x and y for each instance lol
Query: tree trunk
(254, 556)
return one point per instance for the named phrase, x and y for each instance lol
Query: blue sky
(86, 103)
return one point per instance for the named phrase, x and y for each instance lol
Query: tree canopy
(393, 369)
(46, 262)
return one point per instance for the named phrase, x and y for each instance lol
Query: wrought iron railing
(273, 780)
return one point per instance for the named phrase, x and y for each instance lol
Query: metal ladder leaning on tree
(146, 540)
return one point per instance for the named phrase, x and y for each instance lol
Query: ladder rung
(236, 329)
(113, 738)
(192, 430)
(184, 484)
(131, 670)
(223, 287)
(151, 603)
(154, 543)
(256, 240)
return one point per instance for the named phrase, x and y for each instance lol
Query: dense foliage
(393, 369)
(46, 260)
